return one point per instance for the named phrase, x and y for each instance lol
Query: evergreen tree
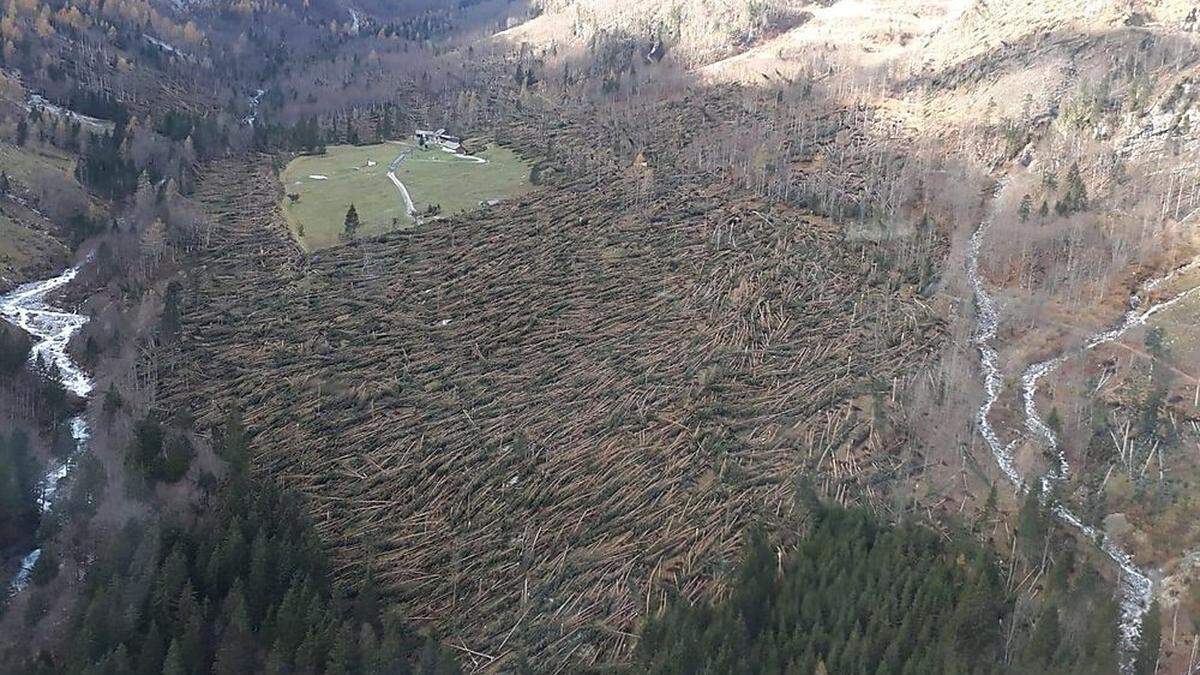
(172, 321)
(19, 512)
(988, 511)
(153, 652)
(243, 587)
(1075, 198)
(342, 656)
(1032, 524)
(351, 223)
(45, 569)
(1146, 662)
(856, 596)
(174, 663)
(1100, 642)
(14, 350)
(1044, 642)
(234, 444)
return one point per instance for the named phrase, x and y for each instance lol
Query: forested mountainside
(586, 336)
(242, 587)
(855, 596)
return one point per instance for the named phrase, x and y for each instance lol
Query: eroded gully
(1136, 587)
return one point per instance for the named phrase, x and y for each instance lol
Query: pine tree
(1146, 662)
(237, 615)
(368, 648)
(234, 445)
(351, 223)
(388, 655)
(174, 663)
(308, 656)
(153, 651)
(289, 631)
(1046, 637)
(118, 661)
(230, 658)
(45, 569)
(194, 640)
(14, 350)
(988, 511)
(1031, 522)
(276, 665)
(1075, 199)
(342, 654)
(977, 617)
(366, 603)
(1102, 638)
(258, 579)
(12, 500)
(755, 583)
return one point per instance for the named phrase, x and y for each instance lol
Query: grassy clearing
(457, 184)
(26, 163)
(1179, 332)
(15, 242)
(328, 184)
(1178, 324)
(23, 248)
(317, 218)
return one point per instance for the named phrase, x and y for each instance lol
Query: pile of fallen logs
(537, 422)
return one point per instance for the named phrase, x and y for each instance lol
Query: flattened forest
(535, 423)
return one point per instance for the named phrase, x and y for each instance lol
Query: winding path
(409, 207)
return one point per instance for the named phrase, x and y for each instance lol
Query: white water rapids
(254, 100)
(51, 329)
(1136, 587)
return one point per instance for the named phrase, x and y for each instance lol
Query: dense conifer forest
(861, 596)
(244, 588)
(18, 488)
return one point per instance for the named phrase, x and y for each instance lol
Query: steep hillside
(557, 409)
(1083, 114)
(933, 258)
(693, 33)
(29, 240)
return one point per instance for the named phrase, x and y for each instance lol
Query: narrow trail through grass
(320, 188)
